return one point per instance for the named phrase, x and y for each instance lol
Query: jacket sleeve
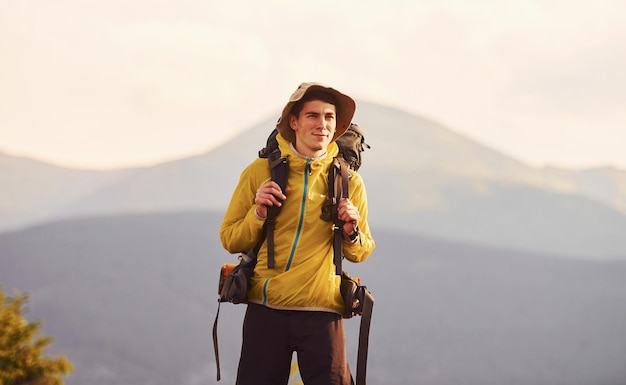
(241, 229)
(363, 247)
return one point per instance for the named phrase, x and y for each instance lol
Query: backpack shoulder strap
(279, 170)
(338, 177)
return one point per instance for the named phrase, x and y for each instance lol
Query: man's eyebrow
(316, 113)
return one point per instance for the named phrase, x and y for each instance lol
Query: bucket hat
(345, 109)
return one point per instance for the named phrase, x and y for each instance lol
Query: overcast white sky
(106, 84)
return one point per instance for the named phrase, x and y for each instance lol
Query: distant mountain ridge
(421, 177)
(603, 184)
(32, 191)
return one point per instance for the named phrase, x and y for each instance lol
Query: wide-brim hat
(345, 110)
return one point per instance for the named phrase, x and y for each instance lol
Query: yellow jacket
(303, 277)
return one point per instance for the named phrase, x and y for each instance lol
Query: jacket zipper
(307, 173)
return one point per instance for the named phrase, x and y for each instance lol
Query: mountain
(421, 176)
(131, 300)
(32, 191)
(605, 184)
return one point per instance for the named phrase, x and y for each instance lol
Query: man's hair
(312, 95)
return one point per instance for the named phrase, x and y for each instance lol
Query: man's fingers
(348, 212)
(270, 195)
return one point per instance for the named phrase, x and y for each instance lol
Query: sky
(124, 83)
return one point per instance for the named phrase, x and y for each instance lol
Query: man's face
(314, 127)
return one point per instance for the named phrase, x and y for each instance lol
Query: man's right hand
(268, 195)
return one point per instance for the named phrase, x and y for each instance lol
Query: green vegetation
(22, 358)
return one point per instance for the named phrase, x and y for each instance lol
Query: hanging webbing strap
(215, 347)
(364, 334)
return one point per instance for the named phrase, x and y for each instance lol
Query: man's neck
(320, 155)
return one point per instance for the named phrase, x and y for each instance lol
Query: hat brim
(345, 107)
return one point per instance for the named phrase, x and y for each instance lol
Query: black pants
(271, 336)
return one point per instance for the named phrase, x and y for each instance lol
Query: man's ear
(292, 122)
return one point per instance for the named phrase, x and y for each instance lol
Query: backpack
(351, 145)
(233, 282)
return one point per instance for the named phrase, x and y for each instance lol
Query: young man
(297, 305)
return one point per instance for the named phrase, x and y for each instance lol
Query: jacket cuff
(256, 214)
